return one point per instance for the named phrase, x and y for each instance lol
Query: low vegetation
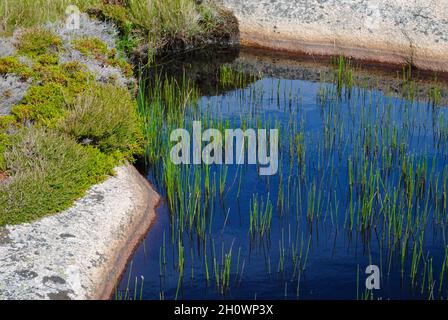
(47, 171)
(68, 131)
(159, 23)
(94, 118)
(37, 41)
(30, 13)
(75, 117)
(167, 25)
(169, 18)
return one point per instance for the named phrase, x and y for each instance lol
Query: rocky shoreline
(54, 258)
(395, 32)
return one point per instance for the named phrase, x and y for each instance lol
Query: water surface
(362, 180)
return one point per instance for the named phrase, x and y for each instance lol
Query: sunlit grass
(27, 13)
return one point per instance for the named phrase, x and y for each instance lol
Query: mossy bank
(68, 96)
(72, 121)
(69, 127)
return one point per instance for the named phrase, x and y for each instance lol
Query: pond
(362, 180)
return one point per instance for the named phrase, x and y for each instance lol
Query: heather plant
(47, 171)
(106, 117)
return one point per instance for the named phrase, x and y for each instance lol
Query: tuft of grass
(178, 22)
(47, 171)
(260, 217)
(3, 143)
(166, 18)
(12, 65)
(105, 116)
(6, 122)
(29, 13)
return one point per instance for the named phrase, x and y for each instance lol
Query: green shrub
(12, 65)
(47, 59)
(72, 76)
(5, 122)
(46, 68)
(46, 103)
(43, 105)
(38, 41)
(107, 116)
(47, 172)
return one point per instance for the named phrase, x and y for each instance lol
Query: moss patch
(43, 105)
(95, 48)
(38, 41)
(12, 65)
(67, 133)
(91, 47)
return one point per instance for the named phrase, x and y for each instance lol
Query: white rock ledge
(81, 252)
(385, 31)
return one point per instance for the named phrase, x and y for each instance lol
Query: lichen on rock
(102, 36)
(6, 48)
(89, 28)
(43, 72)
(12, 90)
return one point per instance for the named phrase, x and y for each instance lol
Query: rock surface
(392, 31)
(12, 90)
(81, 252)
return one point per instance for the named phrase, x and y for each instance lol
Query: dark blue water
(325, 229)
